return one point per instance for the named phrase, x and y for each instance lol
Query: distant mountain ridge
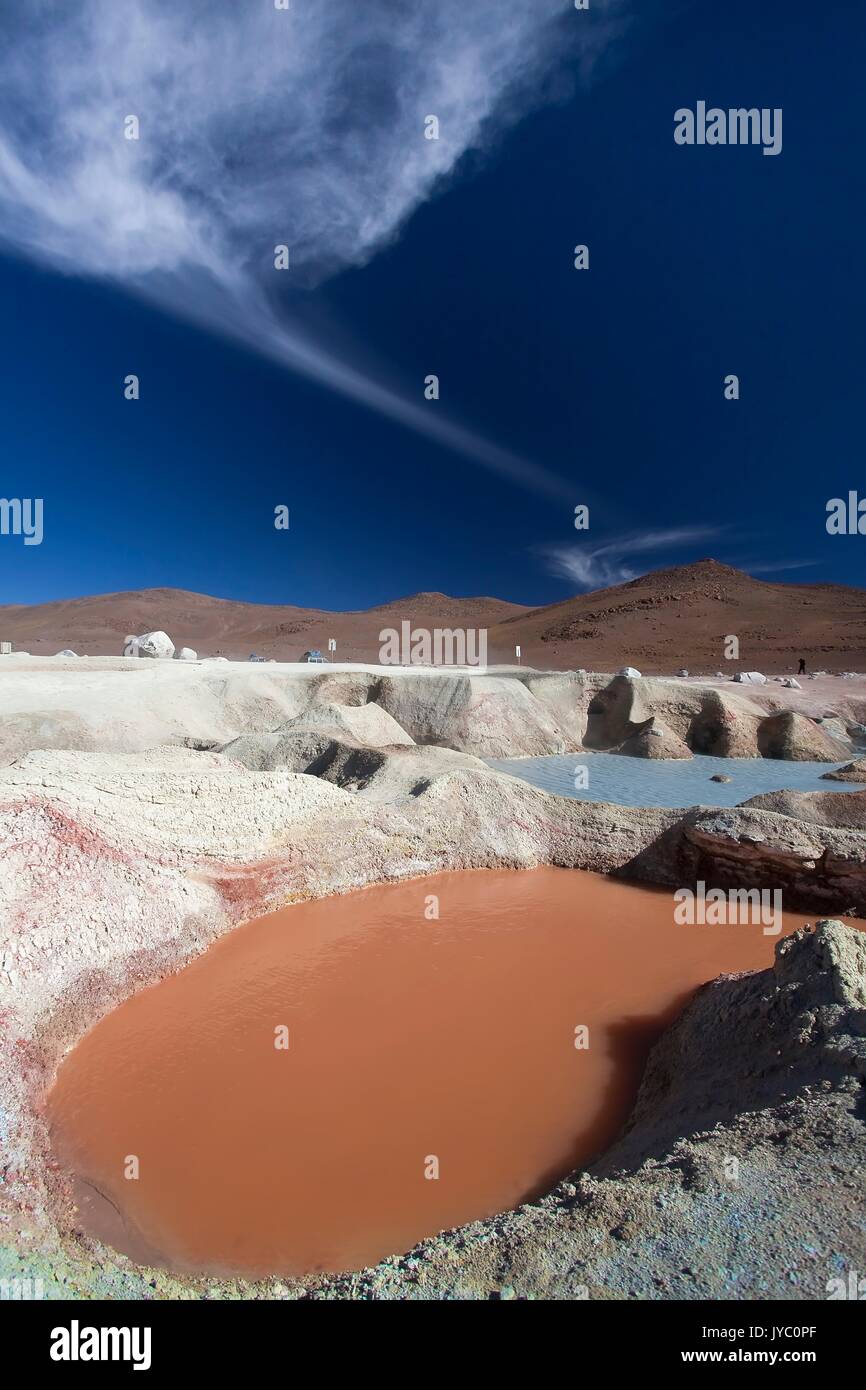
(680, 617)
(663, 621)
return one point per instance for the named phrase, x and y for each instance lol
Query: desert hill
(679, 617)
(665, 620)
(97, 625)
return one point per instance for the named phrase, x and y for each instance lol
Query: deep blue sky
(703, 262)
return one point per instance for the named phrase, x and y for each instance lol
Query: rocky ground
(123, 705)
(145, 808)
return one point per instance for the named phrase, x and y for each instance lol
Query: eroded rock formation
(654, 740)
(119, 866)
(518, 713)
(851, 772)
(793, 737)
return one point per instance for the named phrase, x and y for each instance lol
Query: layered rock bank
(124, 705)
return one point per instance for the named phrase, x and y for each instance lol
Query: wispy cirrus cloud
(779, 566)
(597, 566)
(261, 126)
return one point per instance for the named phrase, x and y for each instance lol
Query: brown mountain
(663, 621)
(96, 626)
(680, 617)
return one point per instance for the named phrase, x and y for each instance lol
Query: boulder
(725, 726)
(367, 725)
(836, 728)
(157, 645)
(186, 654)
(343, 687)
(749, 678)
(564, 699)
(488, 716)
(778, 1032)
(67, 651)
(629, 671)
(721, 777)
(845, 810)
(851, 772)
(131, 646)
(790, 683)
(654, 740)
(682, 673)
(615, 713)
(795, 738)
(266, 752)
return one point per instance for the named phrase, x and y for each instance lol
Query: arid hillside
(680, 617)
(96, 626)
(670, 619)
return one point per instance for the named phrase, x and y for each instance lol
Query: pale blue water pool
(674, 782)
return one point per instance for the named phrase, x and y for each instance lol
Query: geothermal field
(309, 990)
(432, 677)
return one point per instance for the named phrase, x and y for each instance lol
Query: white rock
(628, 671)
(156, 644)
(186, 654)
(750, 678)
(131, 645)
(67, 651)
(791, 684)
(682, 673)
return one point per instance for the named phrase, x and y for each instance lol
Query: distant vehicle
(315, 657)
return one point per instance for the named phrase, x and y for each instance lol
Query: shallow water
(669, 782)
(409, 1039)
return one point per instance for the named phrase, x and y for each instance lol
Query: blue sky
(602, 387)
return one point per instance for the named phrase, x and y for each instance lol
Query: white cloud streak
(258, 127)
(778, 567)
(597, 566)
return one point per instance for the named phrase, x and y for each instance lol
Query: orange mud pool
(331, 1083)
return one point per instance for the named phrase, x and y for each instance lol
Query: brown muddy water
(414, 1043)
